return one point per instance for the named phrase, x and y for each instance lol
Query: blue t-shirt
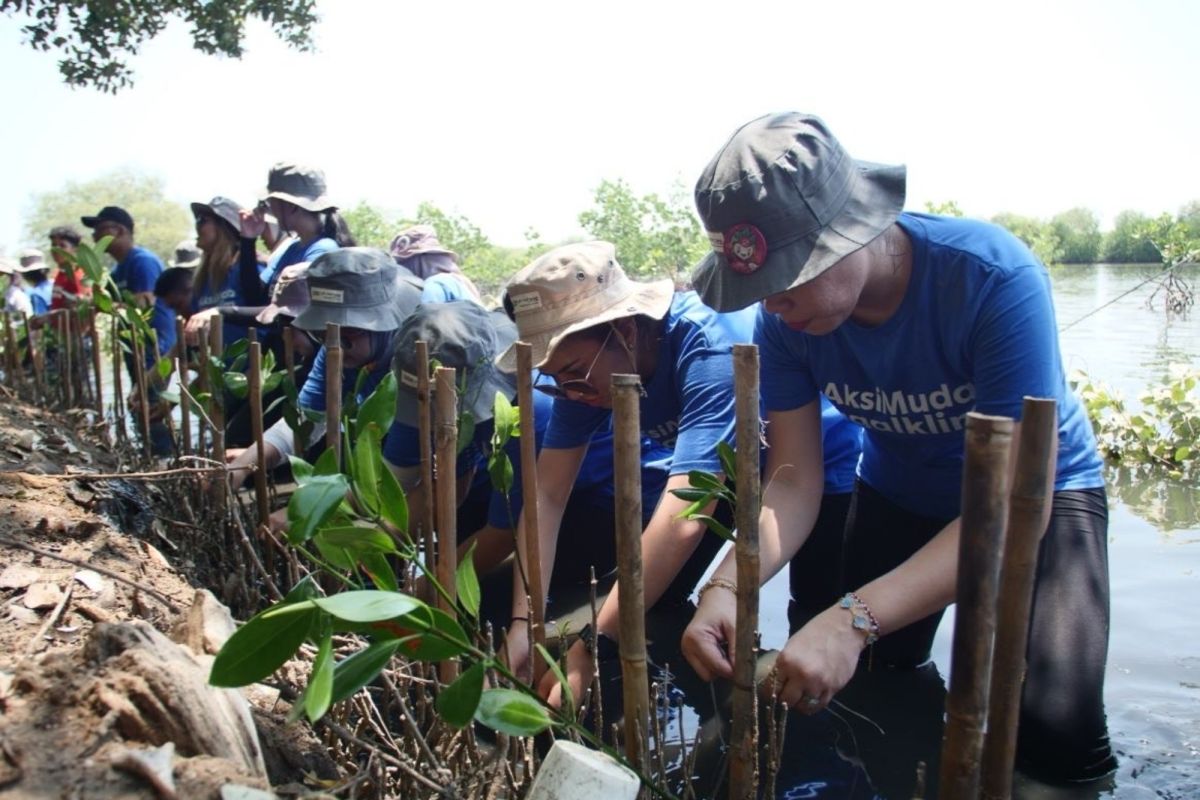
(689, 404)
(138, 271)
(444, 287)
(296, 253)
(312, 393)
(975, 331)
(402, 448)
(40, 296)
(228, 293)
(162, 321)
(841, 441)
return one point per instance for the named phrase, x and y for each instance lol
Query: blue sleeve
(143, 273)
(39, 304)
(704, 382)
(442, 288)
(841, 441)
(312, 394)
(402, 445)
(319, 247)
(1014, 343)
(786, 381)
(572, 424)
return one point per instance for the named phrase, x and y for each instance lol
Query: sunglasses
(579, 387)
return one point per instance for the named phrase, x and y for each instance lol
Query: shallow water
(1153, 679)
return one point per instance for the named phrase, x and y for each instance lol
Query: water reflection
(1168, 505)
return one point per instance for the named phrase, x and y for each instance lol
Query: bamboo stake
(12, 361)
(185, 407)
(743, 766)
(984, 517)
(445, 422)
(256, 429)
(139, 375)
(216, 347)
(529, 509)
(69, 356)
(333, 390)
(627, 469)
(96, 362)
(118, 389)
(1031, 495)
(35, 359)
(425, 431)
(202, 379)
(289, 363)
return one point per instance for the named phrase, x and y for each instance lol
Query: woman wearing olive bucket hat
(363, 290)
(906, 322)
(586, 320)
(463, 335)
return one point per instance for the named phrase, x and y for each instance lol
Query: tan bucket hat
(572, 288)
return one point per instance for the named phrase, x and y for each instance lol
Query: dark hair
(35, 276)
(66, 232)
(172, 280)
(334, 227)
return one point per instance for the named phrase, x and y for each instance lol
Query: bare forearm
(924, 584)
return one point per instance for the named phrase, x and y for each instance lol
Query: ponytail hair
(333, 226)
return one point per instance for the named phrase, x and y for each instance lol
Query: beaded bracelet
(861, 617)
(716, 583)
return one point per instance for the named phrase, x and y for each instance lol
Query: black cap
(109, 214)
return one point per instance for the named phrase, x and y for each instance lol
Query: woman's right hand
(196, 323)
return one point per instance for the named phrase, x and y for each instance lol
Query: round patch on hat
(745, 248)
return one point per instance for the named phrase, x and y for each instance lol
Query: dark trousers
(1063, 735)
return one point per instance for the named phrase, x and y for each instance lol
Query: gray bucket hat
(187, 255)
(299, 185)
(222, 208)
(783, 202)
(460, 334)
(358, 287)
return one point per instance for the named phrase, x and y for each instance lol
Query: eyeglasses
(348, 336)
(580, 387)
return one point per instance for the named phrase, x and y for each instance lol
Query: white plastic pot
(573, 772)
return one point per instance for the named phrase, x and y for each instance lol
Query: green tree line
(655, 234)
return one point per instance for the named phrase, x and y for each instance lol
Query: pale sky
(511, 113)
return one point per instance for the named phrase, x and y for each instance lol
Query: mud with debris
(106, 639)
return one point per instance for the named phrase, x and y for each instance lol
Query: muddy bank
(105, 642)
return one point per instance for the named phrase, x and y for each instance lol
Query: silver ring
(811, 702)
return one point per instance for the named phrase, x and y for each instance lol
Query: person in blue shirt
(172, 297)
(462, 335)
(586, 320)
(905, 322)
(365, 292)
(299, 200)
(220, 282)
(418, 250)
(137, 269)
(34, 275)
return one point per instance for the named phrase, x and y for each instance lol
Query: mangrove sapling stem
(216, 347)
(118, 389)
(1028, 503)
(627, 469)
(529, 512)
(185, 413)
(12, 362)
(34, 359)
(256, 430)
(743, 767)
(425, 433)
(66, 369)
(982, 527)
(333, 390)
(445, 423)
(152, 475)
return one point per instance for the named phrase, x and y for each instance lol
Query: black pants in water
(1063, 734)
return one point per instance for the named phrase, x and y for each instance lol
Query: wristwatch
(599, 645)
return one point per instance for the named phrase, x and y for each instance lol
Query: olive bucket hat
(782, 202)
(358, 287)
(571, 288)
(461, 334)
